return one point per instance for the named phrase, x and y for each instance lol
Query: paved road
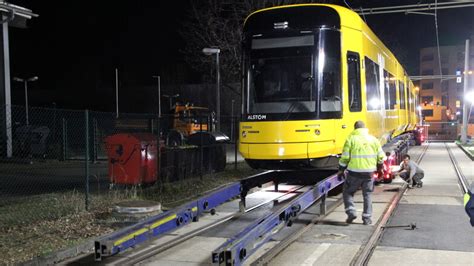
(49, 177)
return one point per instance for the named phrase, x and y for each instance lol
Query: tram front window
(286, 76)
(281, 75)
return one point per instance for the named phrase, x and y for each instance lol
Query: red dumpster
(132, 158)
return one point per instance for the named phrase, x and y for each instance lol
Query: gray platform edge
(466, 152)
(84, 248)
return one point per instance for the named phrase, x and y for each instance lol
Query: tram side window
(392, 83)
(353, 66)
(410, 103)
(372, 84)
(401, 92)
(389, 91)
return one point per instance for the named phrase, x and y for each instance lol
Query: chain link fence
(443, 131)
(68, 169)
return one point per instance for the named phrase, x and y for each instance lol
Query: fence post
(152, 126)
(236, 144)
(200, 148)
(95, 141)
(64, 138)
(158, 169)
(86, 113)
(232, 126)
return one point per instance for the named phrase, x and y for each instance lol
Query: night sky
(74, 46)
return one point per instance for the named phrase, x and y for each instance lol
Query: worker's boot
(350, 218)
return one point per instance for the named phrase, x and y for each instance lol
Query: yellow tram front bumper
(287, 151)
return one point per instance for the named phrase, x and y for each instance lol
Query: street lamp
(469, 97)
(171, 97)
(465, 118)
(216, 51)
(25, 81)
(159, 95)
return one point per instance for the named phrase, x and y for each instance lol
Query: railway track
(365, 253)
(155, 250)
(139, 239)
(363, 256)
(284, 209)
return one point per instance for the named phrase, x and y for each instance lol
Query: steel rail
(282, 245)
(461, 177)
(146, 254)
(363, 255)
(240, 247)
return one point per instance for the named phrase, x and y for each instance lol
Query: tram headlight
(244, 134)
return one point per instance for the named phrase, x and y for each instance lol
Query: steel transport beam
(171, 220)
(237, 249)
(163, 223)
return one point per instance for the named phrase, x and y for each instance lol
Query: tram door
(354, 97)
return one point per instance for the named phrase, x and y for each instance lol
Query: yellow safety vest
(362, 152)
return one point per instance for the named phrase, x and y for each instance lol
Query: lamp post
(466, 89)
(216, 51)
(171, 98)
(25, 81)
(159, 94)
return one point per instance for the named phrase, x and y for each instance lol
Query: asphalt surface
(443, 234)
(437, 229)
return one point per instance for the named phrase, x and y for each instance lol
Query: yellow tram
(309, 72)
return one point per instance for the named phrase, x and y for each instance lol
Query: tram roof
(348, 18)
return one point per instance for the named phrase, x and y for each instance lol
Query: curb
(469, 155)
(59, 256)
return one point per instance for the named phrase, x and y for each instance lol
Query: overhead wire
(437, 41)
(348, 5)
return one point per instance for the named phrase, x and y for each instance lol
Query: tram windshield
(293, 75)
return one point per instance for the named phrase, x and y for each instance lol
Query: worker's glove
(340, 175)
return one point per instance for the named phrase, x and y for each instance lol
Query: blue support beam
(237, 249)
(163, 223)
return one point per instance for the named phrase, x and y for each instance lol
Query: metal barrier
(443, 131)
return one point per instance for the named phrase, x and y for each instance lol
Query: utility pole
(159, 95)
(464, 104)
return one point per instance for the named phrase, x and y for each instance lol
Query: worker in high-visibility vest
(469, 203)
(361, 156)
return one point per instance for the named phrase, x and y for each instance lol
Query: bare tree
(218, 23)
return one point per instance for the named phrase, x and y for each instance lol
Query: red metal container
(132, 158)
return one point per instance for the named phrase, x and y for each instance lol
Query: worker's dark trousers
(412, 181)
(351, 185)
